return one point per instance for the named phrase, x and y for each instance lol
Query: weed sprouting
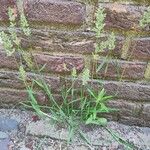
(79, 103)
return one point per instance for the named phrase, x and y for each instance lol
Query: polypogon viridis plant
(91, 104)
(102, 45)
(109, 43)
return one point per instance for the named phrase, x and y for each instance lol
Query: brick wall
(62, 33)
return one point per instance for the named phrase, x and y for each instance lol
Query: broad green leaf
(101, 95)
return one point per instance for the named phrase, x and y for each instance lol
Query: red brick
(125, 108)
(56, 64)
(133, 121)
(85, 47)
(138, 92)
(15, 96)
(69, 42)
(7, 62)
(146, 112)
(55, 11)
(140, 49)
(123, 16)
(9, 79)
(127, 90)
(116, 69)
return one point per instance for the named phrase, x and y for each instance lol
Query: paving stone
(98, 136)
(44, 128)
(7, 124)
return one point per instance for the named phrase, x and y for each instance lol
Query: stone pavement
(22, 130)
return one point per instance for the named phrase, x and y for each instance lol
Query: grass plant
(78, 105)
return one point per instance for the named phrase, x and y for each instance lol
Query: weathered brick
(128, 90)
(122, 16)
(140, 49)
(59, 64)
(120, 90)
(116, 52)
(69, 42)
(9, 79)
(15, 96)
(59, 41)
(131, 96)
(7, 62)
(55, 11)
(146, 112)
(125, 108)
(136, 121)
(129, 112)
(4, 5)
(116, 69)
(82, 47)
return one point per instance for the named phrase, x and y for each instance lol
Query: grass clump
(79, 103)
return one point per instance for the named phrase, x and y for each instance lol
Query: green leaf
(83, 103)
(38, 83)
(71, 134)
(92, 93)
(83, 136)
(89, 120)
(107, 98)
(42, 68)
(99, 121)
(102, 64)
(101, 94)
(102, 121)
(104, 108)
